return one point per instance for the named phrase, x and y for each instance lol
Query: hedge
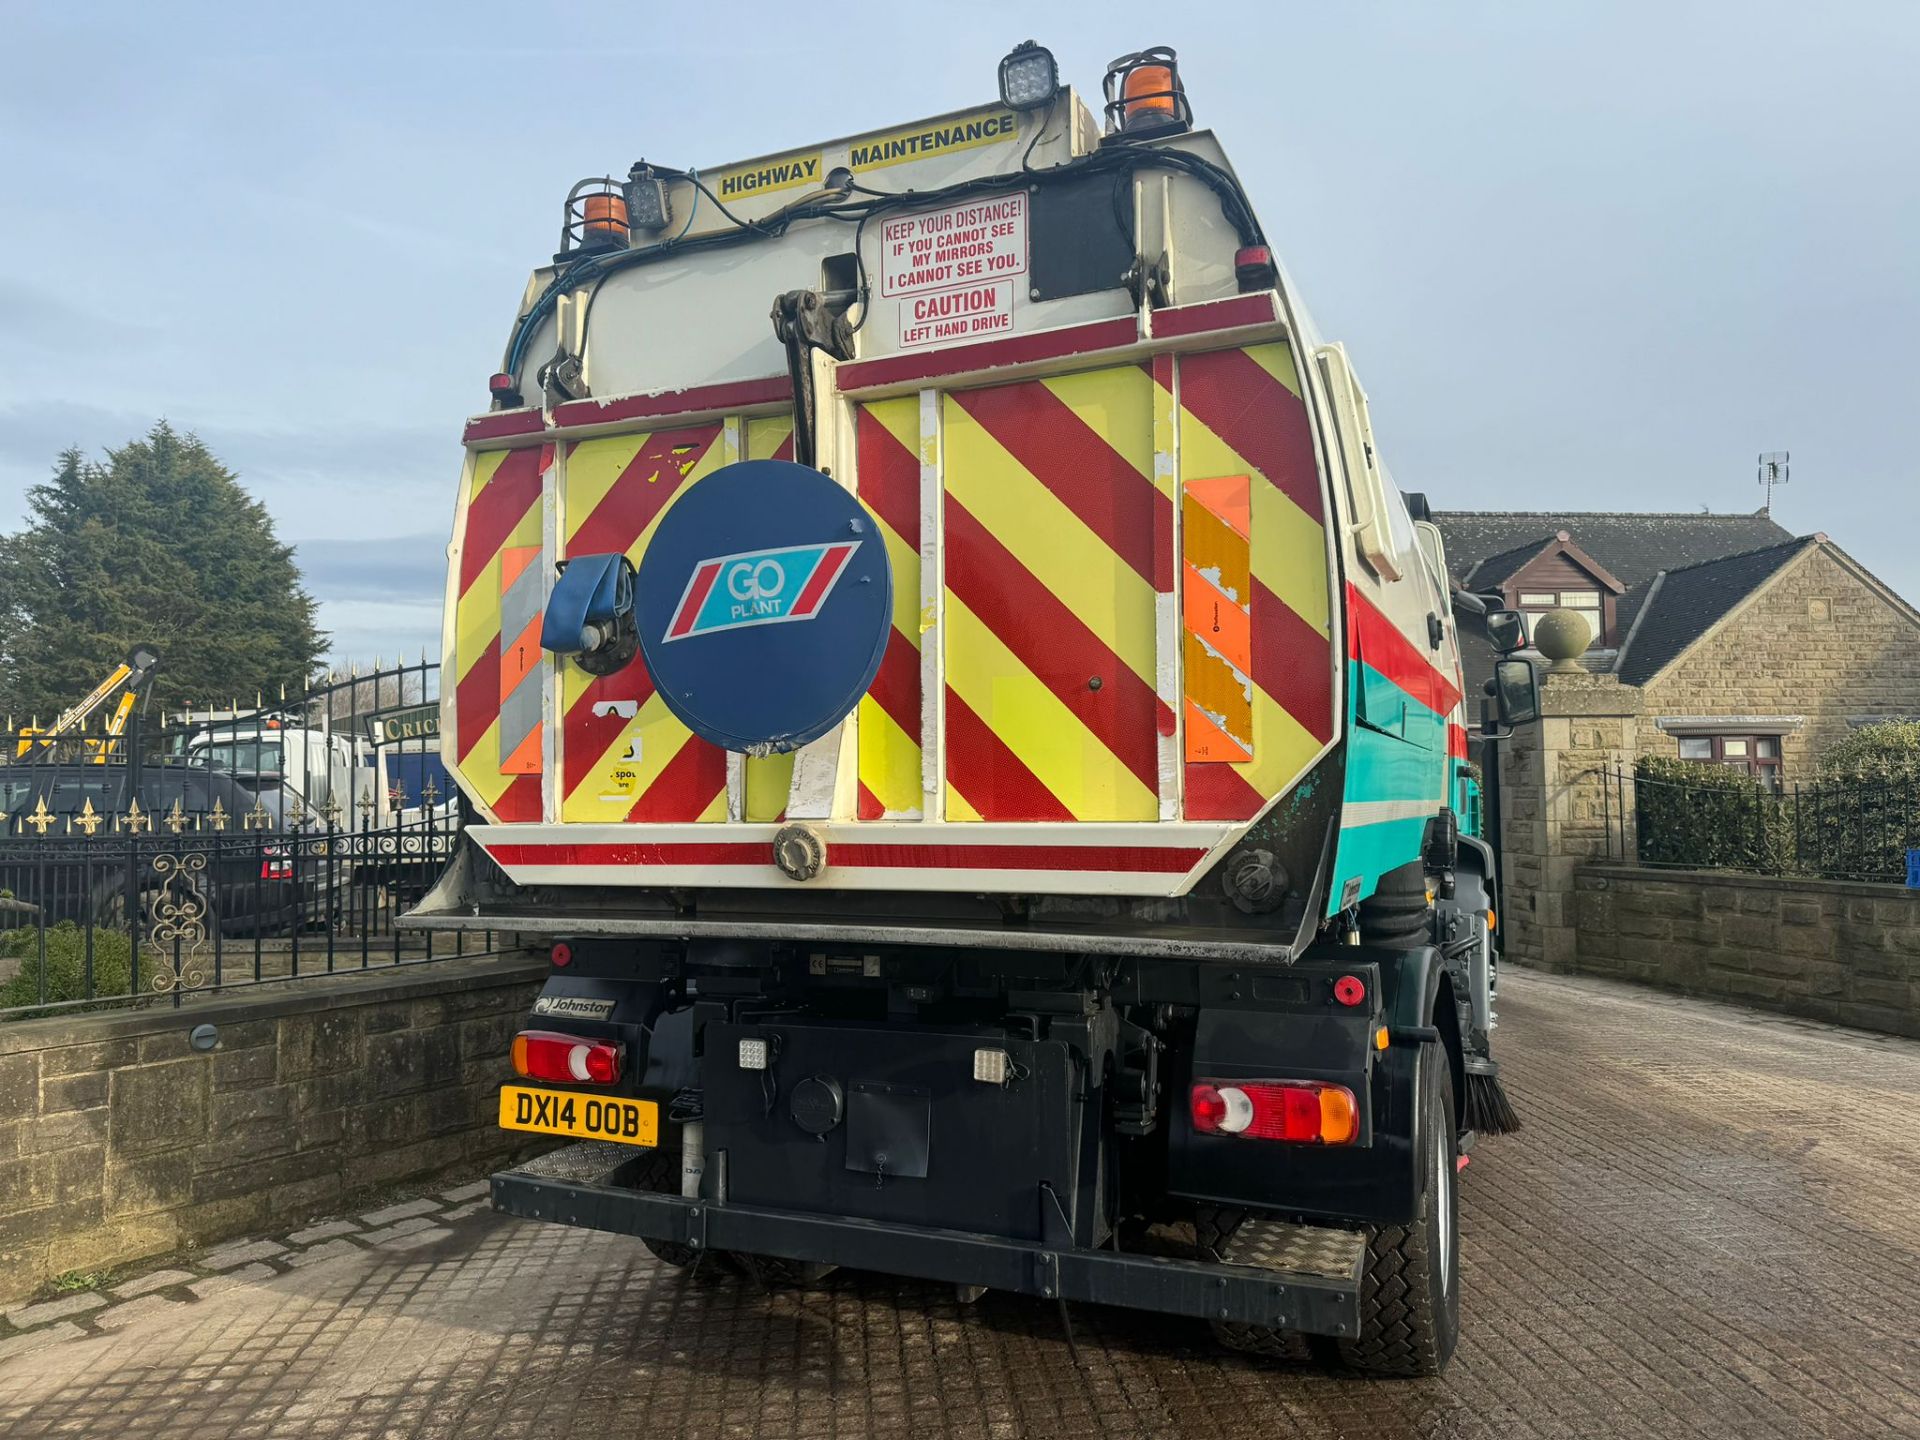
(1710, 817)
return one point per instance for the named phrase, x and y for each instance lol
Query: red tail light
(1254, 268)
(276, 865)
(549, 1055)
(1304, 1111)
(1350, 990)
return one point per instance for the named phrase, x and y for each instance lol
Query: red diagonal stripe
(784, 450)
(1217, 792)
(586, 735)
(519, 803)
(1055, 644)
(476, 699)
(697, 773)
(1259, 418)
(896, 687)
(1292, 662)
(1372, 637)
(821, 581)
(697, 591)
(650, 480)
(870, 807)
(502, 501)
(989, 775)
(889, 478)
(1087, 474)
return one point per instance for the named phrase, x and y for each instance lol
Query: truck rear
(983, 747)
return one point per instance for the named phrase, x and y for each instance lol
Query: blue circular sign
(764, 603)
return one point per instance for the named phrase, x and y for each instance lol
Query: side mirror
(1516, 692)
(1507, 629)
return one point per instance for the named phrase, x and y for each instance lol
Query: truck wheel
(1410, 1293)
(1234, 1237)
(661, 1175)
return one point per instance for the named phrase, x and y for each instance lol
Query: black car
(72, 848)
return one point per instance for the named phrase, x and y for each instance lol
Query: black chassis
(1041, 1185)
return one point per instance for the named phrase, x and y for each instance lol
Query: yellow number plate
(585, 1117)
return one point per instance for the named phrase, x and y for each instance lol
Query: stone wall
(118, 1141)
(1829, 950)
(1558, 806)
(1819, 641)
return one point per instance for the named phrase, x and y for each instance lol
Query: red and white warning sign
(969, 313)
(968, 244)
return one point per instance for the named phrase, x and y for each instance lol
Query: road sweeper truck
(935, 655)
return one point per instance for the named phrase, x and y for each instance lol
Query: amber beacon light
(1145, 96)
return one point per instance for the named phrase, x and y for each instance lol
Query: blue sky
(1585, 256)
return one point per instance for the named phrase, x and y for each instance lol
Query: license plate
(585, 1117)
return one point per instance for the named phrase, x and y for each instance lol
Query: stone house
(1749, 646)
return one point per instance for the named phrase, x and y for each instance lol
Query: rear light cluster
(549, 1055)
(276, 864)
(1305, 1111)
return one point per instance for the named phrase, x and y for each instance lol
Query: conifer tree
(158, 545)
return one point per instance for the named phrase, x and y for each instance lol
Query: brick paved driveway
(1707, 1229)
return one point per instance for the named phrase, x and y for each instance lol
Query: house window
(1758, 755)
(1585, 603)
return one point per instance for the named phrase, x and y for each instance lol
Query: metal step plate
(588, 1162)
(1300, 1249)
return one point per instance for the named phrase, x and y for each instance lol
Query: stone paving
(1706, 1229)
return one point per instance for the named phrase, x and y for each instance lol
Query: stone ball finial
(1563, 637)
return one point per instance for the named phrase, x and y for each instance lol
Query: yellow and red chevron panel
(499, 580)
(1241, 415)
(1050, 517)
(889, 440)
(625, 756)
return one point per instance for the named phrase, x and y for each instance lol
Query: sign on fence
(1913, 869)
(416, 722)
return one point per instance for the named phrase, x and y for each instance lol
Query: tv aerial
(1773, 471)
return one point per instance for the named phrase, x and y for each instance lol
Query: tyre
(1410, 1291)
(156, 912)
(1233, 1237)
(660, 1174)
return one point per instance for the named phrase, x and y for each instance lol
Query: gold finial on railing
(256, 818)
(217, 817)
(331, 812)
(41, 817)
(176, 820)
(366, 804)
(137, 820)
(297, 816)
(89, 820)
(429, 792)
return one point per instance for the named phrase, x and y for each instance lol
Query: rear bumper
(563, 1188)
